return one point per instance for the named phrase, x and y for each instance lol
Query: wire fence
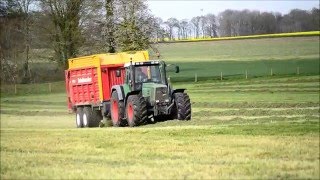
(37, 88)
(59, 87)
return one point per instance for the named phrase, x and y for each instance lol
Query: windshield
(147, 74)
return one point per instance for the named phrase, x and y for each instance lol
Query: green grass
(269, 130)
(206, 70)
(233, 58)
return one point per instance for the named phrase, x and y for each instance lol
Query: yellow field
(295, 34)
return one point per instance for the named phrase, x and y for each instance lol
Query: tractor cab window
(147, 74)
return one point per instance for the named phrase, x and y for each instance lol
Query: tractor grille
(161, 94)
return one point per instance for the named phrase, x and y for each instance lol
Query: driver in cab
(140, 76)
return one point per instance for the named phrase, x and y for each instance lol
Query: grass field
(298, 48)
(261, 128)
(233, 58)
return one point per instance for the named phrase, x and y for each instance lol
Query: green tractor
(147, 96)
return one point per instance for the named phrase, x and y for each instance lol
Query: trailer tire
(79, 116)
(116, 109)
(182, 106)
(87, 116)
(136, 110)
(90, 117)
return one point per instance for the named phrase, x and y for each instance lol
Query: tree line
(34, 31)
(238, 23)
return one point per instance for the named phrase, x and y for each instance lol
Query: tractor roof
(143, 63)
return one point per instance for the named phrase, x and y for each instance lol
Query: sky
(186, 9)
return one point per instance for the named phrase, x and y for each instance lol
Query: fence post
(246, 74)
(271, 72)
(195, 77)
(50, 87)
(15, 89)
(298, 70)
(221, 77)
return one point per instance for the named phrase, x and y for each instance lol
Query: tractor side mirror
(118, 73)
(177, 69)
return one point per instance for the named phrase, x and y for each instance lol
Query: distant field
(261, 128)
(285, 56)
(297, 48)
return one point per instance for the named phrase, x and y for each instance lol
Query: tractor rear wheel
(117, 110)
(182, 107)
(79, 116)
(136, 110)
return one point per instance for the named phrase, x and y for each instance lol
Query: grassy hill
(234, 57)
(298, 48)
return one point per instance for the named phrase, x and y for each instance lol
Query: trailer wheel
(117, 110)
(182, 106)
(87, 116)
(90, 117)
(136, 110)
(79, 116)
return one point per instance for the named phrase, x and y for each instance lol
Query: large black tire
(136, 110)
(117, 110)
(79, 115)
(89, 118)
(182, 107)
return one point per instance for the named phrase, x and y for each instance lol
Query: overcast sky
(186, 9)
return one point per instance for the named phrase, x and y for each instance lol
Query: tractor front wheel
(136, 110)
(182, 107)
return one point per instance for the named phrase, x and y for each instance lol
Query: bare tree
(171, 23)
(109, 37)
(211, 25)
(203, 25)
(315, 14)
(66, 35)
(134, 25)
(195, 21)
(184, 26)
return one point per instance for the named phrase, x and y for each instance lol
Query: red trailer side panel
(110, 79)
(83, 86)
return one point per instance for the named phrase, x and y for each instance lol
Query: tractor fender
(119, 90)
(129, 94)
(176, 91)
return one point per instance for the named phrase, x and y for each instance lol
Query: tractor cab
(139, 73)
